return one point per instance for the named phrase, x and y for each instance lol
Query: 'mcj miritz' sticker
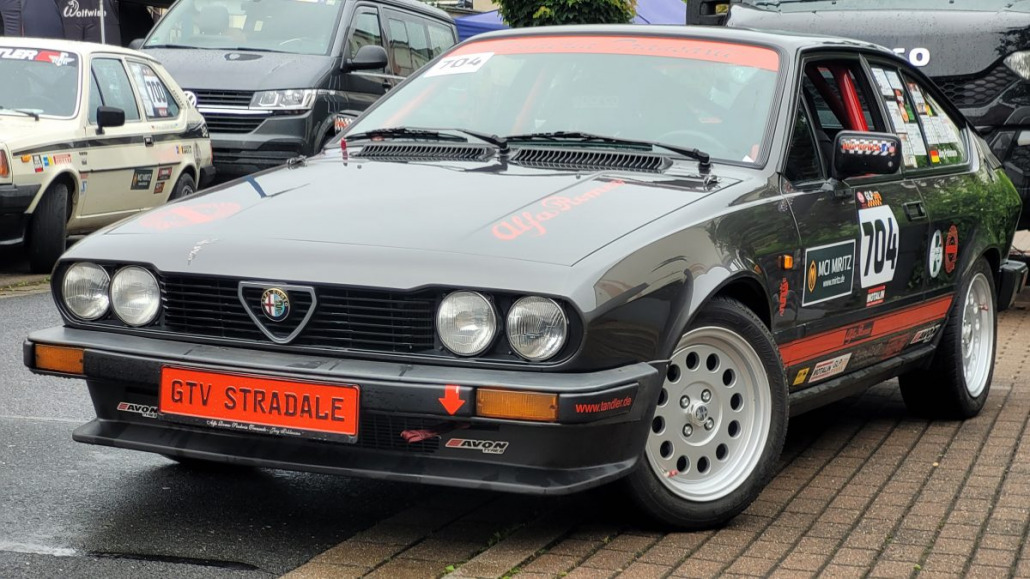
(829, 272)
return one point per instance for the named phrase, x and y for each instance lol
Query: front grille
(383, 432)
(230, 123)
(977, 90)
(222, 98)
(344, 318)
(555, 158)
(419, 152)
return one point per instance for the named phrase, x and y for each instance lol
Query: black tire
(945, 390)
(48, 229)
(183, 187)
(683, 497)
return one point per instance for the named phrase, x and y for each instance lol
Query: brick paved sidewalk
(864, 490)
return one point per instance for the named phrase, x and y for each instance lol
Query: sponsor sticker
(484, 446)
(604, 405)
(858, 333)
(164, 173)
(800, 378)
(159, 188)
(880, 245)
(829, 272)
(184, 149)
(925, 335)
(936, 253)
(144, 410)
(37, 163)
(875, 296)
(951, 250)
(141, 179)
(83, 184)
(463, 64)
(784, 292)
(868, 199)
(895, 345)
(829, 368)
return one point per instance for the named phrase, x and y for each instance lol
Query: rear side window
(409, 42)
(929, 138)
(440, 38)
(157, 99)
(115, 89)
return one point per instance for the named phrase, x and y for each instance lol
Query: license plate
(259, 404)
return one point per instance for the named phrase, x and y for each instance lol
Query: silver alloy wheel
(713, 416)
(977, 334)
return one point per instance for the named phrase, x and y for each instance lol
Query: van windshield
(294, 26)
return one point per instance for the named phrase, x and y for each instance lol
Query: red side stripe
(833, 341)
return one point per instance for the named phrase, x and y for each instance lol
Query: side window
(803, 156)
(409, 43)
(400, 50)
(366, 31)
(115, 89)
(440, 38)
(158, 103)
(95, 99)
(418, 41)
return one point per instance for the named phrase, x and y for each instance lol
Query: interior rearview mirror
(109, 117)
(369, 57)
(865, 153)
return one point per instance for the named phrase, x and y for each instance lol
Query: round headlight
(135, 295)
(466, 322)
(84, 290)
(537, 328)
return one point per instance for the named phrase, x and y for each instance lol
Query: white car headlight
(466, 323)
(135, 295)
(284, 100)
(537, 328)
(84, 290)
(1019, 62)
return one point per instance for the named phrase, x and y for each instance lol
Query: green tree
(522, 13)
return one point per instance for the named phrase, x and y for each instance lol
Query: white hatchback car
(89, 134)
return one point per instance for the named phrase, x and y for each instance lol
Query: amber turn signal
(5, 169)
(787, 261)
(59, 359)
(516, 405)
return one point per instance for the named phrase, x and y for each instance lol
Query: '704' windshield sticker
(464, 64)
(829, 272)
(879, 250)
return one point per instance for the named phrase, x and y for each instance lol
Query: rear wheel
(48, 229)
(959, 378)
(183, 187)
(720, 422)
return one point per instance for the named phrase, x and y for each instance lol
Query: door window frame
(132, 87)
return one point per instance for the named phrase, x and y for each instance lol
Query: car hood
(242, 70)
(960, 42)
(18, 132)
(332, 220)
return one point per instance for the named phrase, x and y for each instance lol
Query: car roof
(417, 6)
(80, 48)
(789, 41)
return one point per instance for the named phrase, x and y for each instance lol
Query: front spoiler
(539, 458)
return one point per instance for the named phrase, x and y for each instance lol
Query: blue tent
(648, 12)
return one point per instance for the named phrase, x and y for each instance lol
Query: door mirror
(864, 153)
(369, 57)
(708, 12)
(109, 117)
(136, 44)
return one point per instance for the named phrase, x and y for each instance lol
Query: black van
(977, 51)
(273, 76)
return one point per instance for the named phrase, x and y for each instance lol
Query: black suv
(977, 51)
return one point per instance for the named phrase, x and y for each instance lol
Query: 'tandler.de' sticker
(829, 272)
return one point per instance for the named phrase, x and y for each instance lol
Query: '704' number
(879, 251)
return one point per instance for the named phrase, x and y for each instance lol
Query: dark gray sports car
(559, 258)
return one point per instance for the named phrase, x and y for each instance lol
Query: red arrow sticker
(451, 400)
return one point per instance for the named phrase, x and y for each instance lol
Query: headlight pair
(133, 293)
(284, 100)
(536, 326)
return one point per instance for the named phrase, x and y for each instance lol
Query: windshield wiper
(406, 132)
(176, 46)
(249, 49)
(703, 159)
(32, 114)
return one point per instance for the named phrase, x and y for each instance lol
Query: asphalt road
(69, 509)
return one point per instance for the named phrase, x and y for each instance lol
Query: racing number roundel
(879, 249)
(936, 254)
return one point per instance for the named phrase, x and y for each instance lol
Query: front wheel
(959, 378)
(48, 229)
(720, 422)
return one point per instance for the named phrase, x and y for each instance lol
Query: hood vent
(420, 152)
(556, 158)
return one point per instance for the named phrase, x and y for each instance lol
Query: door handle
(148, 141)
(915, 211)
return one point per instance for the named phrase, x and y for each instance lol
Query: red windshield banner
(689, 48)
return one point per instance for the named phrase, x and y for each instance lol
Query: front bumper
(273, 141)
(585, 448)
(14, 201)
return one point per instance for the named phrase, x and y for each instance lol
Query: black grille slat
(223, 98)
(343, 318)
(230, 123)
(555, 158)
(977, 90)
(383, 432)
(421, 152)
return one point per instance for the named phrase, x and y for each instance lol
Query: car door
(120, 176)
(165, 144)
(858, 265)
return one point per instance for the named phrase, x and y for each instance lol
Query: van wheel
(185, 186)
(48, 229)
(719, 425)
(959, 378)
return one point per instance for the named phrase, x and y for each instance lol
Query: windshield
(806, 5)
(714, 96)
(47, 81)
(294, 26)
